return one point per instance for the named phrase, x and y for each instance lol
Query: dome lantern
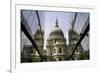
(56, 23)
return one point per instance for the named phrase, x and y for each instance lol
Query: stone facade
(39, 40)
(79, 53)
(56, 47)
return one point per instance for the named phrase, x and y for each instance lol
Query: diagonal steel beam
(85, 25)
(80, 40)
(27, 31)
(39, 23)
(73, 22)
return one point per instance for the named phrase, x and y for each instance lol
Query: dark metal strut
(80, 40)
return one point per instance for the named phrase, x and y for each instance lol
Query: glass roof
(47, 22)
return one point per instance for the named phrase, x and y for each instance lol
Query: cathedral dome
(39, 33)
(56, 32)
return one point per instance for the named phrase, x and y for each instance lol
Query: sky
(48, 20)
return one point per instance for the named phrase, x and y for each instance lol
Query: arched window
(60, 59)
(54, 50)
(59, 50)
(55, 41)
